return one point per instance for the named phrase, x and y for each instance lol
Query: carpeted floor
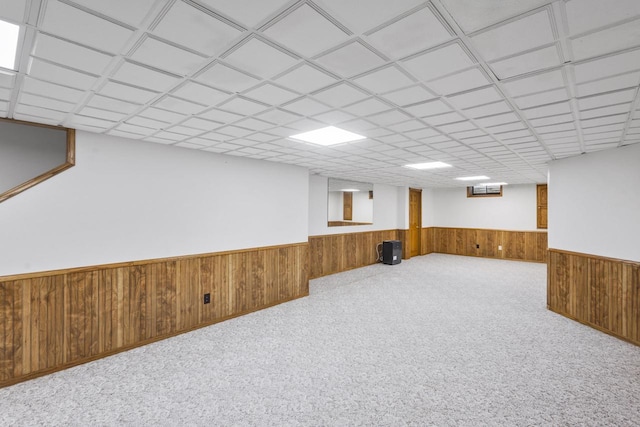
(436, 340)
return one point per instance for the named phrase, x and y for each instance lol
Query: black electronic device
(391, 252)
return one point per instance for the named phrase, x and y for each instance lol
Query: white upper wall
(127, 200)
(450, 207)
(385, 209)
(594, 203)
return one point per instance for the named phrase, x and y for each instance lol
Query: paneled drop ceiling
(492, 87)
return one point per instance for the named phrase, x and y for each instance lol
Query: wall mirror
(31, 153)
(349, 203)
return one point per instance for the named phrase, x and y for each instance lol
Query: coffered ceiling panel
(492, 88)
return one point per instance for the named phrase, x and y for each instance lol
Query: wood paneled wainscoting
(603, 293)
(333, 253)
(53, 320)
(502, 244)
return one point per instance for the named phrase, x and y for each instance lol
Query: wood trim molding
(70, 160)
(598, 291)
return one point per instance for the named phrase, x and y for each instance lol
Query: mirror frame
(70, 159)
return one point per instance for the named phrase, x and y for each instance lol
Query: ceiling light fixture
(428, 165)
(349, 190)
(472, 178)
(8, 44)
(330, 135)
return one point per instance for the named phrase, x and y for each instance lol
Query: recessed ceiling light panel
(429, 165)
(330, 135)
(8, 44)
(473, 178)
(349, 190)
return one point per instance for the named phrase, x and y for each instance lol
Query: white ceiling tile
(607, 66)
(190, 144)
(507, 127)
(623, 96)
(476, 97)
(205, 34)
(561, 127)
(421, 134)
(127, 11)
(409, 95)
(608, 84)
(196, 92)
(547, 110)
(70, 54)
(601, 121)
(384, 80)
(350, 13)
(516, 36)
(117, 105)
(56, 74)
(259, 58)
(457, 127)
(127, 93)
(537, 83)
(249, 13)
(243, 106)
(254, 124)
(608, 40)
(234, 131)
(140, 130)
(460, 82)
(367, 107)
(102, 114)
(388, 118)
(226, 78)
(7, 79)
(149, 123)
(301, 125)
(472, 15)
(606, 128)
(441, 119)
(177, 105)
(269, 93)
(167, 57)
(74, 24)
(498, 119)
(185, 130)
(305, 78)
(306, 107)
(13, 10)
(358, 125)
(605, 111)
(487, 110)
(439, 62)
(306, 31)
(542, 98)
(333, 117)
(202, 124)
(278, 116)
(170, 136)
(40, 101)
(162, 115)
(468, 134)
(417, 31)
(38, 87)
(584, 15)
(84, 121)
(145, 77)
(264, 137)
(340, 95)
(428, 108)
(351, 59)
(529, 62)
(561, 118)
(54, 116)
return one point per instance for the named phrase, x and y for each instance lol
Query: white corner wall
(450, 207)
(385, 209)
(127, 200)
(594, 203)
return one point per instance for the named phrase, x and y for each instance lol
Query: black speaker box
(391, 252)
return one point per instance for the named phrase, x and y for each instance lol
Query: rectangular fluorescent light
(8, 44)
(429, 165)
(328, 136)
(350, 190)
(472, 178)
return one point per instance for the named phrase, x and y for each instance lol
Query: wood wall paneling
(601, 292)
(53, 320)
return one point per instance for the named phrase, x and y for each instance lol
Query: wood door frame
(417, 191)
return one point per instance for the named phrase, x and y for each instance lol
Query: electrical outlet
(477, 246)
(499, 247)
(207, 298)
